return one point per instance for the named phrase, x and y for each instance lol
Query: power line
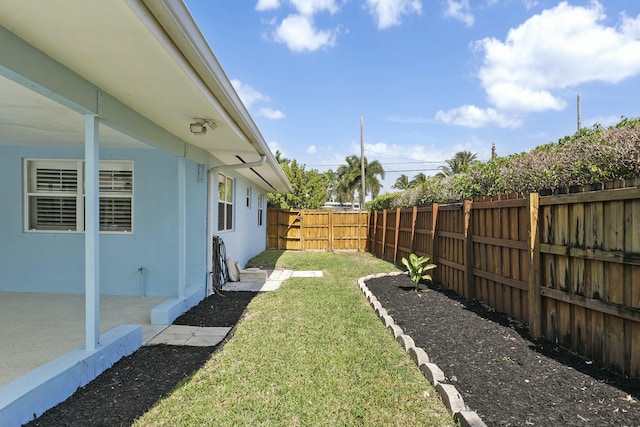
(402, 157)
(383, 164)
(409, 170)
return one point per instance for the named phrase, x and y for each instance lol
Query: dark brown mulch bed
(508, 379)
(134, 384)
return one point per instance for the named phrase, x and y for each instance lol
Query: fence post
(384, 232)
(468, 253)
(366, 231)
(331, 234)
(301, 216)
(278, 237)
(413, 227)
(434, 238)
(533, 205)
(395, 240)
(373, 231)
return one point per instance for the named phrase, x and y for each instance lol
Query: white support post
(92, 232)
(182, 227)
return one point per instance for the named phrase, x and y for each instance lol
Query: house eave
(179, 24)
(151, 57)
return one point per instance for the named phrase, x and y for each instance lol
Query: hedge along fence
(567, 265)
(317, 230)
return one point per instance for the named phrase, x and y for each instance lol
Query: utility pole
(362, 176)
(579, 124)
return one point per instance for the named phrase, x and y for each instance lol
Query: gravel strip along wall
(448, 392)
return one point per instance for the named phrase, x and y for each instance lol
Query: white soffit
(105, 43)
(118, 47)
(29, 118)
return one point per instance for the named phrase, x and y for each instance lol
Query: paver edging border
(448, 392)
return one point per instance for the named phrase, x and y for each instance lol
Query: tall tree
(459, 163)
(309, 187)
(350, 176)
(417, 180)
(402, 183)
(331, 179)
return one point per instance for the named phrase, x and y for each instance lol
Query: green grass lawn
(311, 353)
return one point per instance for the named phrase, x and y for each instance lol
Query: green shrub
(417, 268)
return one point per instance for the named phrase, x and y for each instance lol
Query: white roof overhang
(147, 56)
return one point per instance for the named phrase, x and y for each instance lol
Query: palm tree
(402, 183)
(371, 172)
(459, 163)
(331, 178)
(345, 177)
(350, 177)
(417, 180)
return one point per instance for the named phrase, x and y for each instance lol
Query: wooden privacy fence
(317, 230)
(567, 265)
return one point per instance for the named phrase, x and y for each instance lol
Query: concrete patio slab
(40, 327)
(190, 336)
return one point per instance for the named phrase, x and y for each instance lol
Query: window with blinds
(116, 193)
(225, 203)
(54, 195)
(260, 210)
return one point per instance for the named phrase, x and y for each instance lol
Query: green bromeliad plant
(417, 268)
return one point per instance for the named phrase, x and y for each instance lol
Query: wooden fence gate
(317, 230)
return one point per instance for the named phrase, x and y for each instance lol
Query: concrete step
(253, 275)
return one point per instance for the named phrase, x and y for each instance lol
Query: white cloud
(267, 5)
(251, 96)
(389, 12)
(604, 121)
(475, 117)
(275, 146)
(311, 7)
(530, 4)
(247, 94)
(311, 149)
(517, 97)
(460, 10)
(631, 26)
(270, 113)
(561, 47)
(298, 32)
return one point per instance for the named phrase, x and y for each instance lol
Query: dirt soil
(503, 375)
(135, 383)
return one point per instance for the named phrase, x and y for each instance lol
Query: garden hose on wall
(220, 275)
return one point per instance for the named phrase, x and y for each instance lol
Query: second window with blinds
(225, 203)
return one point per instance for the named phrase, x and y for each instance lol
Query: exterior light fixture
(199, 126)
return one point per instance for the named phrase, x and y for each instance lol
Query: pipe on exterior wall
(263, 159)
(210, 189)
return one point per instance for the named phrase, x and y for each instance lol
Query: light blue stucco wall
(53, 262)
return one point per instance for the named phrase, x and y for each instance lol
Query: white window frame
(226, 187)
(260, 209)
(70, 187)
(249, 193)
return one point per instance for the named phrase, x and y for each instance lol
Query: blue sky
(429, 77)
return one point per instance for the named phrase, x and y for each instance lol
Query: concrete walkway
(190, 335)
(207, 336)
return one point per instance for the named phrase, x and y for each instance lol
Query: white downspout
(210, 192)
